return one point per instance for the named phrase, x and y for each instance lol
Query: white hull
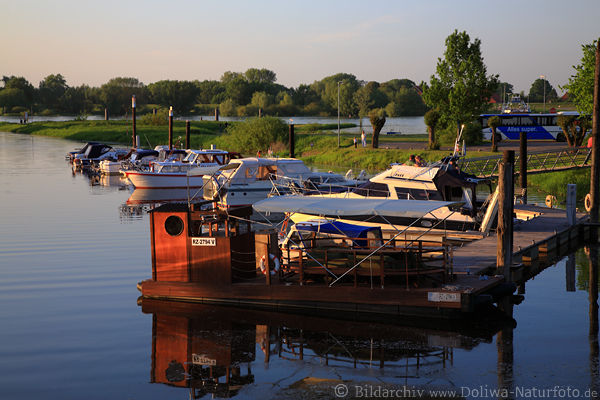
(157, 180)
(110, 167)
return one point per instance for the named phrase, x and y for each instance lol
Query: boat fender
(263, 264)
(588, 202)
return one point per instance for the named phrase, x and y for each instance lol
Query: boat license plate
(201, 359)
(439, 297)
(204, 241)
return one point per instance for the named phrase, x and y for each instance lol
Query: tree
(369, 96)
(377, 119)
(461, 89)
(581, 85)
(494, 122)
(12, 97)
(261, 100)
(432, 119)
(263, 75)
(327, 89)
(116, 94)
(208, 92)
(51, 89)
(26, 89)
(179, 94)
(573, 129)
(504, 88)
(537, 91)
(256, 134)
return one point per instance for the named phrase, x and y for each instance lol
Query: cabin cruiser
(439, 182)
(137, 159)
(174, 173)
(248, 180)
(93, 153)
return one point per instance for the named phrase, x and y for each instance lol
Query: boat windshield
(372, 189)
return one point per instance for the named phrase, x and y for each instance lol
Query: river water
(400, 125)
(72, 251)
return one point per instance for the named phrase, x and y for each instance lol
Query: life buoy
(550, 201)
(263, 264)
(588, 202)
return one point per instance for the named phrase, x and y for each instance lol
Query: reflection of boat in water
(220, 350)
(155, 196)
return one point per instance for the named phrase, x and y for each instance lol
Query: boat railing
(537, 161)
(285, 185)
(396, 259)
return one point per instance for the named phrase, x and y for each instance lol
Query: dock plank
(480, 255)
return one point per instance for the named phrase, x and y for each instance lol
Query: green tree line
(235, 94)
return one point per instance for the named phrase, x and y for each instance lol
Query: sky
(90, 42)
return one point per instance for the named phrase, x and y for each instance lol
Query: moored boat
(174, 174)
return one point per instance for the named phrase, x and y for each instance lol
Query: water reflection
(217, 350)
(592, 253)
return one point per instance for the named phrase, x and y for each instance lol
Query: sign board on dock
(201, 359)
(204, 241)
(439, 297)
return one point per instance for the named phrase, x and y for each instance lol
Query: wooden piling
(291, 140)
(523, 165)
(106, 114)
(505, 214)
(187, 134)
(133, 130)
(595, 172)
(171, 128)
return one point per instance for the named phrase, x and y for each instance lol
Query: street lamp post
(339, 82)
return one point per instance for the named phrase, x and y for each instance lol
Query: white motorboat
(248, 180)
(93, 153)
(137, 159)
(470, 197)
(174, 174)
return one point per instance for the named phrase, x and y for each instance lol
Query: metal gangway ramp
(537, 162)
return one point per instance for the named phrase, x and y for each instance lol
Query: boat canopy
(316, 205)
(337, 228)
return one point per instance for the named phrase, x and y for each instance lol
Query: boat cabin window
(372, 189)
(174, 225)
(264, 171)
(453, 193)
(417, 194)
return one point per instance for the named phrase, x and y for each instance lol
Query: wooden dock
(546, 231)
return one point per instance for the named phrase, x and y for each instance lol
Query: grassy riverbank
(555, 183)
(314, 144)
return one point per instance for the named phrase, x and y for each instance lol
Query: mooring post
(571, 203)
(291, 140)
(105, 113)
(133, 119)
(187, 134)
(595, 172)
(171, 128)
(523, 165)
(217, 114)
(504, 248)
